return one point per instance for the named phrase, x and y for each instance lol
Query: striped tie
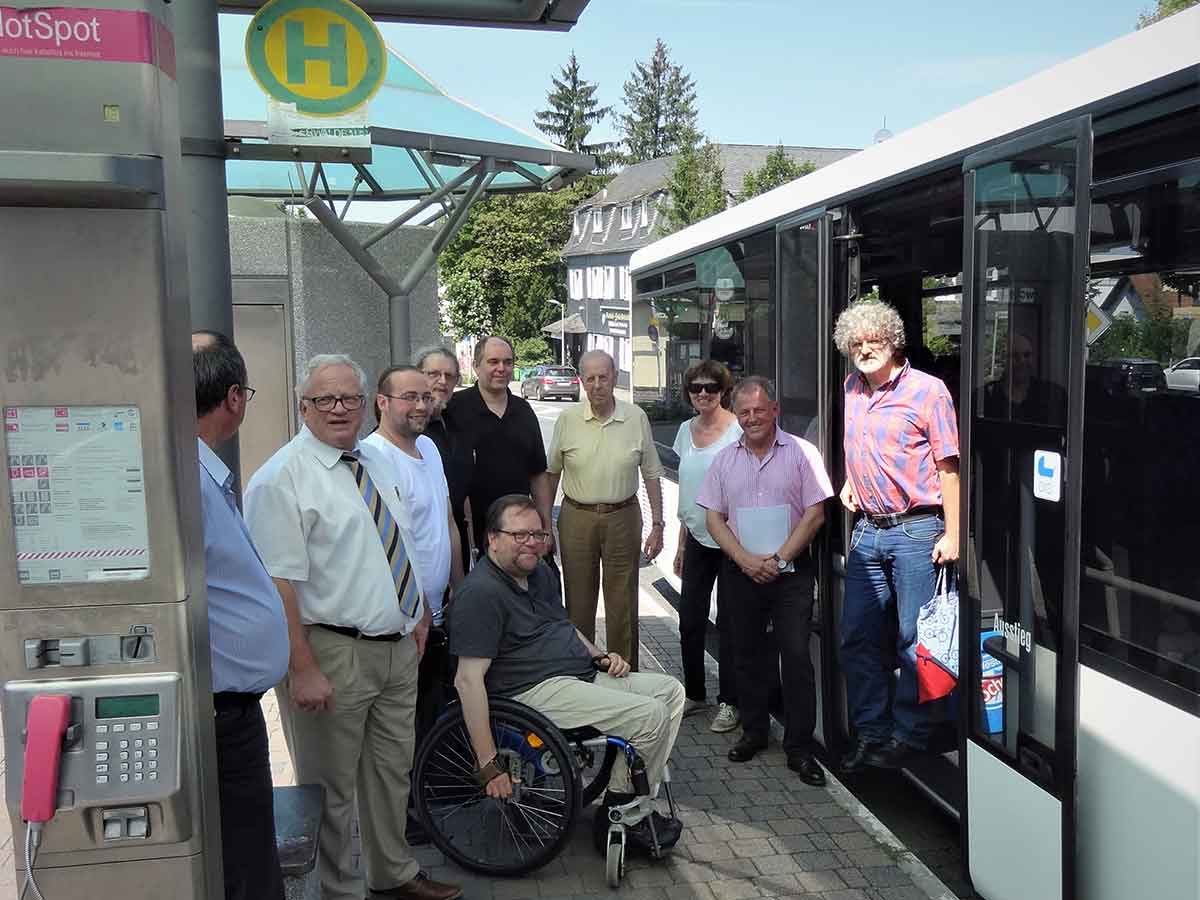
(389, 532)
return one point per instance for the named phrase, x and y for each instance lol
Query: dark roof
(649, 178)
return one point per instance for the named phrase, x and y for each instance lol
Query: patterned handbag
(937, 639)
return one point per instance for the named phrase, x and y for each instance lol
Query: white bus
(1043, 247)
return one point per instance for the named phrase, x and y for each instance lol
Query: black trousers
(786, 603)
(702, 566)
(247, 809)
(433, 683)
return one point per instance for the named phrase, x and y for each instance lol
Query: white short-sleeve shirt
(423, 513)
(693, 466)
(312, 528)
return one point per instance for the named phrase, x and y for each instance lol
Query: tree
(778, 168)
(661, 103)
(503, 267)
(1162, 9)
(696, 187)
(533, 351)
(573, 110)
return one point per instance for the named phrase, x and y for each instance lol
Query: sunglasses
(707, 387)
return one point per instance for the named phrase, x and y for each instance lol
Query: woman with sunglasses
(698, 560)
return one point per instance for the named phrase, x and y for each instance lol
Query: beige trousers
(587, 542)
(362, 747)
(644, 708)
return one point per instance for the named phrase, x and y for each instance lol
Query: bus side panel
(1138, 794)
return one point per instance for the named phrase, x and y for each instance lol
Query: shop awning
(572, 324)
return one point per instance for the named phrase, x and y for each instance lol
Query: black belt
(891, 520)
(233, 700)
(359, 636)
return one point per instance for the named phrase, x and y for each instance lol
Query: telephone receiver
(46, 726)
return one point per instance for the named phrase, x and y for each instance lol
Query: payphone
(107, 711)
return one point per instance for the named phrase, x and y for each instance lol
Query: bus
(1042, 245)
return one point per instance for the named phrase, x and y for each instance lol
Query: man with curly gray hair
(901, 444)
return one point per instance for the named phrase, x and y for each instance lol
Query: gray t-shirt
(525, 633)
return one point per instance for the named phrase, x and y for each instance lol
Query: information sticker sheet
(78, 493)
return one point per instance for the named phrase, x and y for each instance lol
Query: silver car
(1185, 375)
(549, 382)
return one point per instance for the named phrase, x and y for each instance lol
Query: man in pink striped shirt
(765, 497)
(901, 443)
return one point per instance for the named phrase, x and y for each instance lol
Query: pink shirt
(792, 474)
(895, 436)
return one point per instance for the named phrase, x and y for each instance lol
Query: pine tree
(573, 111)
(696, 186)
(661, 102)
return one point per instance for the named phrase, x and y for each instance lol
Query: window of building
(626, 218)
(597, 224)
(577, 224)
(645, 217)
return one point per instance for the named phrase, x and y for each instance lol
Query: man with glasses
(598, 449)
(503, 434)
(901, 443)
(247, 632)
(441, 368)
(513, 639)
(402, 403)
(325, 512)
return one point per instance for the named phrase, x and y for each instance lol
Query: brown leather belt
(602, 507)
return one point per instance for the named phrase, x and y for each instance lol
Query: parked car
(547, 382)
(1184, 375)
(1132, 374)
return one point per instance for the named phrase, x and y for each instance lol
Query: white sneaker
(726, 719)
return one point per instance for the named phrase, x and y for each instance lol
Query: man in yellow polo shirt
(597, 450)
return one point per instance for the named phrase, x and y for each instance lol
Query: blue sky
(778, 70)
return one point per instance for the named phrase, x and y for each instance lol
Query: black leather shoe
(892, 755)
(666, 830)
(856, 760)
(746, 748)
(806, 766)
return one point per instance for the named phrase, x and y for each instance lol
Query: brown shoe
(420, 888)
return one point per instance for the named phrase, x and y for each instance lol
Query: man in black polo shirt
(512, 638)
(502, 431)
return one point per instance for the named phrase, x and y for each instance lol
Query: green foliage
(533, 351)
(573, 110)
(1159, 336)
(696, 188)
(661, 102)
(1162, 9)
(776, 170)
(503, 267)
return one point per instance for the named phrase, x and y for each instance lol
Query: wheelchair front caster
(614, 864)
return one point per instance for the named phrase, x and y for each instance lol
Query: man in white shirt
(403, 401)
(323, 512)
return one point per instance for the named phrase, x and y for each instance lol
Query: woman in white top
(698, 560)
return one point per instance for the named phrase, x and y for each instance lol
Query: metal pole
(202, 133)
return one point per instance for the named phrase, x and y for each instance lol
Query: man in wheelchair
(512, 638)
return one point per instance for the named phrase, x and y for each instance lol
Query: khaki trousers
(644, 708)
(612, 540)
(363, 747)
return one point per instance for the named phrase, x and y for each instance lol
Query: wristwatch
(780, 561)
(658, 524)
(487, 772)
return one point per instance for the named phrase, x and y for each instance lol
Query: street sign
(324, 57)
(1098, 322)
(652, 331)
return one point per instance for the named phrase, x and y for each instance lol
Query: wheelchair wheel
(614, 862)
(494, 837)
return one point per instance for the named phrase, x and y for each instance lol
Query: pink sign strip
(96, 35)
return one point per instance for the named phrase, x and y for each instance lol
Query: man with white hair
(323, 514)
(901, 443)
(597, 450)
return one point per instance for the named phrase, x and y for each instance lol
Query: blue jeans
(885, 566)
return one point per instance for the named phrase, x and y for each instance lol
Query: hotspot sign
(321, 57)
(100, 35)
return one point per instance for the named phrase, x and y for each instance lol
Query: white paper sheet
(763, 529)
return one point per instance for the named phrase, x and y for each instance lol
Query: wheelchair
(555, 775)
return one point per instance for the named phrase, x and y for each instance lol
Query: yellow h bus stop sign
(325, 56)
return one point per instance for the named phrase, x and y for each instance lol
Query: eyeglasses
(706, 387)
(441, 376)
(248, 392)
(524, 537)
(328, 402)
(410, 397)
(873, 343)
